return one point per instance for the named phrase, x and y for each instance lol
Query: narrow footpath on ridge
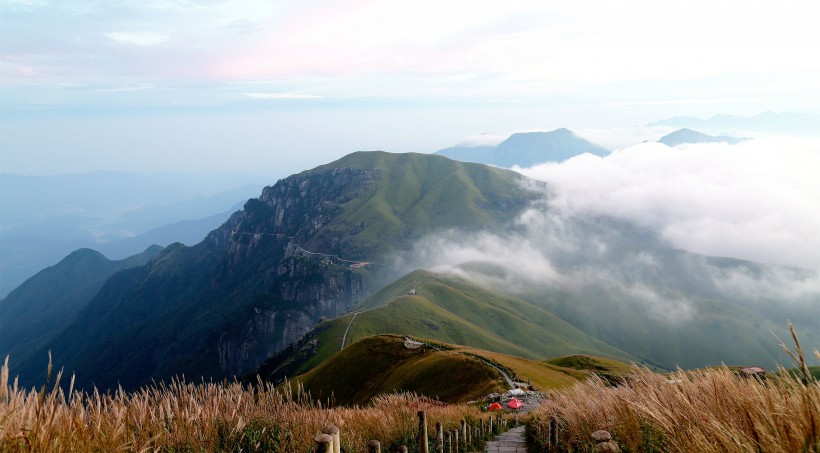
(510, 442)
(356, 313)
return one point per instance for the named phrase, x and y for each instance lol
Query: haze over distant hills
(682, 136)
(526, 149)
(118, 213)
(801, 124)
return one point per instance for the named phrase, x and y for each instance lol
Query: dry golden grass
(183, 416)
(710, 410)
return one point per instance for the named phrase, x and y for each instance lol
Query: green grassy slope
(412, 195)
(592, 363)
(447, 309)
(453, 310)
(382, 364)
(448, 372)
(710, 333)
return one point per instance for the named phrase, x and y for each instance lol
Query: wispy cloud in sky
(138, 38)
(275, 96)
(425, 47)
(426, 71)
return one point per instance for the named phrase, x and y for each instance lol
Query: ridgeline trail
(390, 301)
(353, 264)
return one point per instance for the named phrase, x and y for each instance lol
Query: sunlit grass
(202, 416)
(711, 410)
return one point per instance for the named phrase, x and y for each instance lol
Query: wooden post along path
(333, 432)
(374, 446)
(324, 443)
(423, 433)
(439, 438)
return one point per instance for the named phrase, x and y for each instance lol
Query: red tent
(494, 407)
(515, 403)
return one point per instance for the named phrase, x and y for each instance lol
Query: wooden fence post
(324, 443)
(401, 449)
(463, 432)
(333, 432)
(449, 442)
(374, 446)
(455, 439)
(422, 440)
(552, 435)
(605, 443)
(481, 424)
(439, 438)
(490, 422)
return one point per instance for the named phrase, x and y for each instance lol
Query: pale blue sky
(280, 86)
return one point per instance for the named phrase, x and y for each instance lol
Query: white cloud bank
(758, 200)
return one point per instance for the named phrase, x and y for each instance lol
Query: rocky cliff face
(298, 287)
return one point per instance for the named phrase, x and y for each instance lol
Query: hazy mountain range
(117, 213)
(791, 123)
(682, 136)
(42, 306)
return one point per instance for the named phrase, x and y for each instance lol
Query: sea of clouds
(758, 200)
(614, 223)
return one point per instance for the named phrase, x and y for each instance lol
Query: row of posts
(328, 440)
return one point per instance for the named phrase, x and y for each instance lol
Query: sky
(275, 87)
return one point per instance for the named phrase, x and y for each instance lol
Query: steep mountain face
(309, 247)
(46, 303)
(682, 136)
(527, 149)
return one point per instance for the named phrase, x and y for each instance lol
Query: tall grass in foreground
(710, 410)
(184, 416)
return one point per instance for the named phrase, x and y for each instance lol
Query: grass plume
(709, 410)
(204, 416)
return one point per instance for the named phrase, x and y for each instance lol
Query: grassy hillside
(382, 364)
(591, 363)
(410, 195)
(446, 309)
(713, 332)
(447, 372)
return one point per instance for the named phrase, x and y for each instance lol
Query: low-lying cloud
(758, 200)
(609, 230)
(553, 253)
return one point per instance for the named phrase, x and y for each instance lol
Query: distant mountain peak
(794, 123)
(525, 149)
(689, 136)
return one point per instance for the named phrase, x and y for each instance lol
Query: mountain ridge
(306, 248)
(44, 304)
